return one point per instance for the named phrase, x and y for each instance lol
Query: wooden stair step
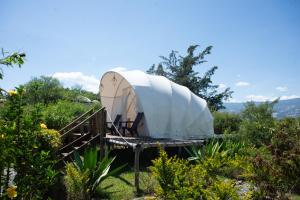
(79, 133)
(65, 154)
(75, 142)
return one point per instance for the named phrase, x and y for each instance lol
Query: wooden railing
(92, 129)
(78, 119)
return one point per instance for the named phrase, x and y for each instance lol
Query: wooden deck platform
(140, 143)
(144, 143)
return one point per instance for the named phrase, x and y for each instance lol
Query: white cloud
(118, 69)
(89, 83)
(282, 88)
(289, 97)
(222, 86)
(253, 97)
(242, 84)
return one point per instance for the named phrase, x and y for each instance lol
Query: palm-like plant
(212, 150)
(93, 170)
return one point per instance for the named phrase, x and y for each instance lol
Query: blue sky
(256, 43)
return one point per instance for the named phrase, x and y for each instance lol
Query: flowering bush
(27, 148)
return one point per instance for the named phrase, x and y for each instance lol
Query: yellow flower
(11, 191)
(2, 136)
(43, 126)
(12, 92)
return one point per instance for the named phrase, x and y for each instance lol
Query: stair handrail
(82, 122)
(75, 120)
(73, 142)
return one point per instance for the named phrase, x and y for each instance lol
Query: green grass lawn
(295, 197)
(118, 189)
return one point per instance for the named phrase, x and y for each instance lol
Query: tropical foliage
(179, 179)
(83, 176)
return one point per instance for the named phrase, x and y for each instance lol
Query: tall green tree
(43, 90)
(180, 69)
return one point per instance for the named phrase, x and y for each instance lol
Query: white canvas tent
(170, 110)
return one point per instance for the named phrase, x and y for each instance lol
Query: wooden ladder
(86, 130)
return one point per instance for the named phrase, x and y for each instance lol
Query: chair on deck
(116, 124)
(133, 129)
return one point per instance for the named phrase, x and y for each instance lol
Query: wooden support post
(137, 151)
(97, 121)
(90, 123)
(179, 151)
(102, 130)
(82, 129)
(91, 126)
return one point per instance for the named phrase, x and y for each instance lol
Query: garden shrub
(50, 138)
(170, 174)
(258, 123)
(275, 168)
(148, 183)
(58, 115)
(224, 189)
(285, 149)
(74, 182)
(225, 122)
(179, 179)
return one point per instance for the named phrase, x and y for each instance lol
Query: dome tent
(170, 110)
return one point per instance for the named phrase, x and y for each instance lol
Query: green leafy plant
(58, 115)
(50, 138)
(258, 123)
(11, 60)
(74, 182)
(43, 90)
(90, 172)
(275, 168)
(224, 189)
(212, 150)
(170, 174)
(179, 179)
(226, 123)
(25, 151)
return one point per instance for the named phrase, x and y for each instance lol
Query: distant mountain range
(284, 108)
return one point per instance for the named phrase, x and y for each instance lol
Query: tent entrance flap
(129, 107)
